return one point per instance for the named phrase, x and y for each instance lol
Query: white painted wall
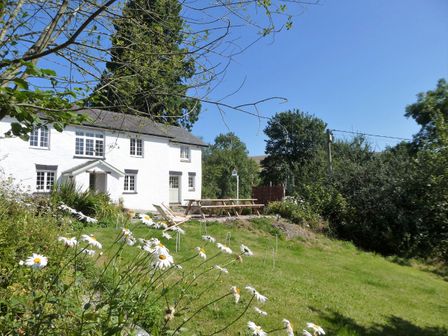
(18, 160)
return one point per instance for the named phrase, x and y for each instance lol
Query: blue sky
(355, 64)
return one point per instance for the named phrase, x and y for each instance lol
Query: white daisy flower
(222, 269)
(224, 248)
(236, 293)
(162, 261)
(209, 238)
(128, 238)
(256, 330)
(166, 235)
(88, 219)
(201, 252)
(89, 252)
(258, 296)
(35, 261)
(69, 242)
(145, 219)
(317, 329)
(261, 312)
(245, 250)
(288, 327)
(177, 229)
(91, 240)
(306, 333)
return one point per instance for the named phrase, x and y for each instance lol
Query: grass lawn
(328, 282)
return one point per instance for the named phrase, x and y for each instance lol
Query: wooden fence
(266, 194)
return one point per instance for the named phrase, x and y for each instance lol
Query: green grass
(328, 282)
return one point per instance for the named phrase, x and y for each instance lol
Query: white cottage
(132, 158)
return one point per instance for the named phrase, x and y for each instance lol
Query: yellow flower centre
(161, 245)
(93, 238)
(237, 290)
(162, 257)
(37, 260)
(201, 250)
(146, 217)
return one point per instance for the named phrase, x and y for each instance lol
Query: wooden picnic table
(227, 205)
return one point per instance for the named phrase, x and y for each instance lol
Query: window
(191, 181)
(89, 143)
(130, 181)
(136, 148)
(45, 180)
(174, 182)
(185, 153)
(39, 137)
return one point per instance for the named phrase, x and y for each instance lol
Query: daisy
(166, 235)
(209, 239)
(128, 238)
(201, 252)
(169, 313)
(245, 250)
(257, 331)
(224, 248)
(261, 312)
(162, 261)
(91, 240)
(222, 269)
(317, 329)
(89, 252)
(176, 229)
(145, 219)
(288, 327)
(69, 242)
(258, 296)
(306, 333)
(236, 293)
(35, 261)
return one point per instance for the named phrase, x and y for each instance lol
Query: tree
(53, 54)
(226, 154)
(293, 145)
(147, 30)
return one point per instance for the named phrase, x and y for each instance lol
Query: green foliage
(219, 160)
(149, 38)
(296, 210)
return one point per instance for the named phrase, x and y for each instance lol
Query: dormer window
(185, 153)
(136, 147)
(39, 138)
(89, 143)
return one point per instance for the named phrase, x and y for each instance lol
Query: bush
(296, 210)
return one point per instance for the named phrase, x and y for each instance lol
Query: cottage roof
(93, 164)
(140, 125)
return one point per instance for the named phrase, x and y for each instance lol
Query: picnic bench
(228, 206)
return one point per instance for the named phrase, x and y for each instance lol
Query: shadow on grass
(396, 326)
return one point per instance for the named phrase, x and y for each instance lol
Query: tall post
(238, 188)
(330, 159)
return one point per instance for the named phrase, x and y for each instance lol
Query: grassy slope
(347, 291)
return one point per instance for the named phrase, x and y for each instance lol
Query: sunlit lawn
(347, 291)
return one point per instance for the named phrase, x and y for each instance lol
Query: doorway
(174, 189)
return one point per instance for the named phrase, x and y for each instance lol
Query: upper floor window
(89, 143)
(191, 181)
(130, 181)
(136, 148)
(39, 137)
(185, 153)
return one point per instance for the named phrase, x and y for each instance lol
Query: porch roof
(84, 167)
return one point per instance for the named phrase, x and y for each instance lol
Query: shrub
(296, 210)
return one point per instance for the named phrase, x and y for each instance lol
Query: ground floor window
(130, 180)
(45, 180)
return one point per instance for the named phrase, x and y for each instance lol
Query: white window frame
(127, 183)
(192, 186)
(185, 153)
(83, 137)
(46, 187)
(37, 135)
(134, 144)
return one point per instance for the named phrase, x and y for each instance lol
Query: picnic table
(228, 206)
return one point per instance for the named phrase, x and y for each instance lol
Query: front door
(174, 188)
(97, 182)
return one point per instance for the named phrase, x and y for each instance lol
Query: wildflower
(224, 248)
(145, 219)
(288, 327)
(169, 313)
(209, 239)
(257, 331)
(306, 333)
(166, 235)
(236, 293)
(245, 250)
(89, 252)
(162, 261)
(261, 312)
(69, 242)
(201, 252)
(222, 269)
(128, 238)
(91, 240)
(161, 249)
(317, 329)
(35, 261)
(258, 296)
(176, 229)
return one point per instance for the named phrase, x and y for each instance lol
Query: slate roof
(141, 125)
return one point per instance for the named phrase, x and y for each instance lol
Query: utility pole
(329, 157)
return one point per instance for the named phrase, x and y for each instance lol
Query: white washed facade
(139, 169)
